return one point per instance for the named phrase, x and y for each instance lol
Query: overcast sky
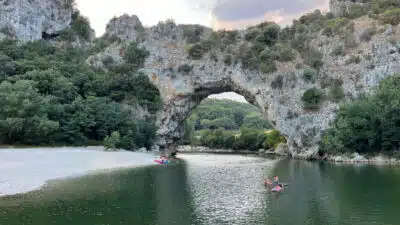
(229, 14)
(219, 14)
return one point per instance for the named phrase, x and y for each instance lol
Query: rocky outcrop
(29, 20)
(183, 81)
(341, 7)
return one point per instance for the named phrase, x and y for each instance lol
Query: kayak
(159, 161)
(276, 190)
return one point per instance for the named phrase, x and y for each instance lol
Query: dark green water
(216, 189)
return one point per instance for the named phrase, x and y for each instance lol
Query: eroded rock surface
(29, 20)
(184, 81)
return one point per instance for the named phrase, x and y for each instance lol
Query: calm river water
(215, 189)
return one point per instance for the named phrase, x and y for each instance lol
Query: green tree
(23, 117)
(111, 142)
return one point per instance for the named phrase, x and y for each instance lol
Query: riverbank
(27, 169)
(353, 158)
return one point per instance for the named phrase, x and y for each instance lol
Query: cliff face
(356, 60)
(27, 20)
(184, 81)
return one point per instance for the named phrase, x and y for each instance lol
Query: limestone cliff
(189, 62)
(31, 19)
(184, 80)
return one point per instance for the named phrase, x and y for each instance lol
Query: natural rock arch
(184, 81)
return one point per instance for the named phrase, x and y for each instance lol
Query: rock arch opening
(228, 121)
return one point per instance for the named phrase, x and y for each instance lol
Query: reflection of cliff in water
(324, 193)
(151, 195)
(173, 197)
(308, 197)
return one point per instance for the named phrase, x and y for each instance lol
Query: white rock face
(27, 19)
(277, 94)
(340, 7)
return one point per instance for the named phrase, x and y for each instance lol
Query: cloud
(237, 14)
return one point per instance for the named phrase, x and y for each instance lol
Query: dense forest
(50, 96)
(368, 125)
(229, 124)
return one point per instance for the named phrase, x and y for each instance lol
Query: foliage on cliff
(368, 125)
(229, 124)
(49, 95)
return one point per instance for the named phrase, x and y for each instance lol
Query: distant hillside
(229, 124)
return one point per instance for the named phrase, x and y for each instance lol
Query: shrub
(192, 33)
(108, 61)
(268, 55)
(366, 35)
(251, 34)
(81, 26)
(313, 58)
(228, 59)
(350, 40)
(312, 98)
(185, 68)
(309, 74)
(269, 35)
(336, 93)
(284, 53)
(111, 142)
(136, 55)
(268, 66)
(334, 25)
(356, 59)
(196, 51)
(277, 83)
(391, 16)
(355, 11)
(8, 31)
(339, 51)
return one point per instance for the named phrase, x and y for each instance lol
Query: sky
(218, 14)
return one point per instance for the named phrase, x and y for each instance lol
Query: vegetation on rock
(369, 125)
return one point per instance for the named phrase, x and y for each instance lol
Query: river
(210, 189)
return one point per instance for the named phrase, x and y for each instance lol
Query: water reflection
(215, 190)
(152, 195)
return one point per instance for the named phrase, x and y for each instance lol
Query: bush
(192, 33)
(8, 31)
(309, 74)
(356, 59)
(269, 35)
(334, 25)
(110, 142)
(284, 53)
(336, 93)
(355, 11)
(81, 26)
(391, 16)
(185, 68)
(339, 51)
(312, 98)
(313, 58)
(350, 40)
(366, 35)
(268, 66)
(136, 55)
(228, 59)
(278, 82)
(196, 51)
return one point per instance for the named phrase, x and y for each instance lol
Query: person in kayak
(267, 181)
(275, 182)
